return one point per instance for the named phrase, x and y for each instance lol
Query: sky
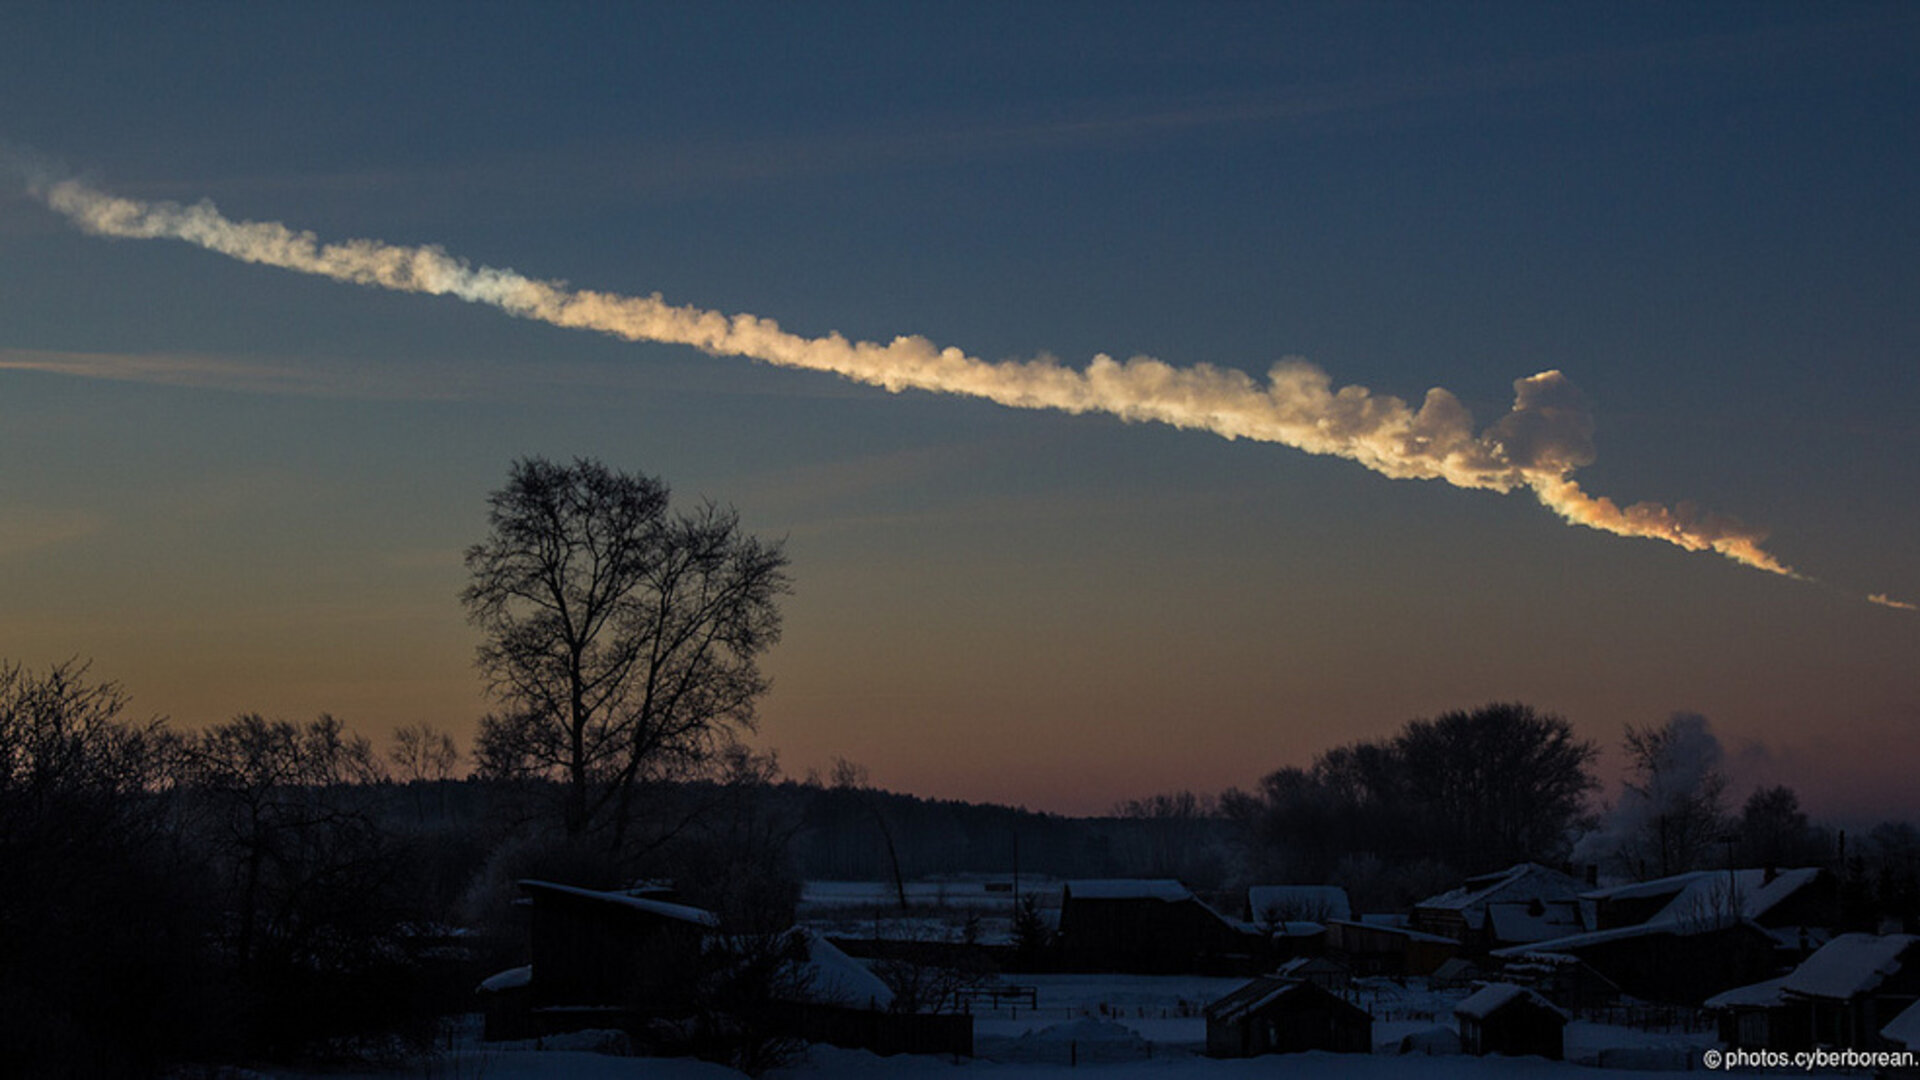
(1031, 570)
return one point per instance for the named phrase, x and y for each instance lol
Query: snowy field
(1112, 1027)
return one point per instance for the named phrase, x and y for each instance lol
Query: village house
(1504, 1018)
(1850, 993)
(1369, 948)
(600, 959)
(1149, 927)
(1684, 938)
(1522, 904)
(1676, 963)
(1273, 1015)
(1797, 905)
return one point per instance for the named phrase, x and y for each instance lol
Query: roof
(1850, 965)
(1760, 995)
(1396, 931)
(1711, 893)
(510, 979)
(1905, 1028)
(1293, 929)
(1264, 992)
(838, 979)
(1573, 943)
(678, 912)
(1520, 882)
(1129, 889)
(1300, 966)
(1297, 902)
(1493, 997)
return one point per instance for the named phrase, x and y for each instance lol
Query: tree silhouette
(621, 639)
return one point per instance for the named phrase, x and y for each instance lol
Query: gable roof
(1763, 994)
(1709, 893)
(1268, 990)
(1493, 997)
(1905, 1028)
(1850, 965)
(1520, 882)
(834, 978)
(661, 908)
(1394, 931)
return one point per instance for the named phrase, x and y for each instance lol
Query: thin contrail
(1537, 445)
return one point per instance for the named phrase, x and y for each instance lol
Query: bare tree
(621, 639)
(422, 753)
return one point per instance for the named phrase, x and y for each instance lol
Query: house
(1854, 986)
(1795, 905)
(1687, 937)
(1677, 963)
(1369, 948)
(1528, 901)
(1504, 1018)
(1273, 1015)
(1272, 906)
(1760, 1016)
(600, 959)
(1148, 927)
(827, 996)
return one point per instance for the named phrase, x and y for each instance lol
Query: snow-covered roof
(1905, 1028)
(1710, 893)
(1850, 965)
(1763, 994)
(1294, 928)
(1298, 902)
(1573, 943)
(510, 979)
(1129, 889)
(1521, 882)
(662, 908)
(1703, 901)
(1301, 966)
(1493, 997)
(1264, 991)
(838, 979)
(1397, 931)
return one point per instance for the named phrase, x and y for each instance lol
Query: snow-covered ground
(1123, 1027)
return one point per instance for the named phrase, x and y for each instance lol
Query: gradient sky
(236, 488)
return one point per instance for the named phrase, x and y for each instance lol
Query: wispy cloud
(202, 372)
(1887, 601)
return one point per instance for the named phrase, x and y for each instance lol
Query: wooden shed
(1149, 927)
(593, 948)
(1274, 1015)
(1506, 1018)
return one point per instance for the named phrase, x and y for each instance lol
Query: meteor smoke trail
(1536, 446)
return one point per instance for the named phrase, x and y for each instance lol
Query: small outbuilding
(1275, 1015)
(1506, 1018)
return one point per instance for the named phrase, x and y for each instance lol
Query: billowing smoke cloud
(1537, 446)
